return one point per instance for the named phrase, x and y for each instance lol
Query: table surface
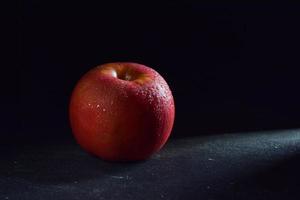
(255, 165)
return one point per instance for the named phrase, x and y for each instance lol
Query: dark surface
(258, 165)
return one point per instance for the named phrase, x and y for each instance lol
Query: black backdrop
(231, 67)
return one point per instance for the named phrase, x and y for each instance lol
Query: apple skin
(122, 111)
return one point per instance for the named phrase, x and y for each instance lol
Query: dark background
(231, 67)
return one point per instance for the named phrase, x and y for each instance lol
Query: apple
(122, 111)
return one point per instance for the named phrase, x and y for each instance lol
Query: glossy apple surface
(122, 111)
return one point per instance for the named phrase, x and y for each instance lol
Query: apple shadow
(53, 164)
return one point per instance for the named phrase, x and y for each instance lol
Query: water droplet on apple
(104, 109)
(98, 105)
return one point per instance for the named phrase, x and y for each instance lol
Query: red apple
(122, 111)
